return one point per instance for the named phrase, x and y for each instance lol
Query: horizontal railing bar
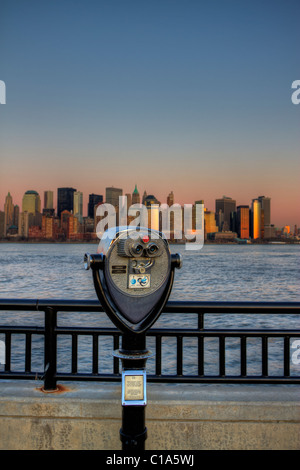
(153, 332)
(64, 305)
(222, 332)
(22, 329)
(162, 378)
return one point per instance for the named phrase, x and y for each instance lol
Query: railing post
(50, 349)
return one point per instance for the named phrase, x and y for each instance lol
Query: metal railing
(50, 331)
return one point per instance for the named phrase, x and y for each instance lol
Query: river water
(214, 273)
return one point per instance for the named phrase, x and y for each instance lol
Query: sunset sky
(185, 95)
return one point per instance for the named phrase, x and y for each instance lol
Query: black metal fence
(50, 331)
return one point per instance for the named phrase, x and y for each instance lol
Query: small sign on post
(134, 388)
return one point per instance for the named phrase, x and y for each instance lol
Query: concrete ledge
(86, 416)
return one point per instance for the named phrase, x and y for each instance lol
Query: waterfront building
(112, 196)
(78, 205)
(224, 209)
(48, 199)
(23, 225)
(256, 219)
(243, 222)
(16, 215)
(2, 218)
(170, 199)
(149, 200)
(65, 200)
(8, 212)
(31, 202)
(210, 225)
(144, 197)
(48, 227)
(129, 199)
(94, 199)
(135, 196)
(265, 203)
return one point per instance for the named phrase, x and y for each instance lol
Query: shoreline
(206, 242)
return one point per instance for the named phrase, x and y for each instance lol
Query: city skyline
(194, 98)
(163, 200)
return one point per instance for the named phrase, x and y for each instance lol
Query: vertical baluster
(243, 356)
(158, 355)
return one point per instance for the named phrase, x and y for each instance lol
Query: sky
(188, 96)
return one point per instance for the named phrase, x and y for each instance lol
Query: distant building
(224, 209)
(65, 200)
(129, 199)
(8, 212)
(210, 225)
(23, 225)
(2, 218)
(265, 203)
(243, 222)
(149, 200)
(47, 227)
(170, 199)
(94, 199)
(16, 215)
(256, 219)
(31, 202)
(48, 199)
(112, 196)
(78, 205)
(135, 196)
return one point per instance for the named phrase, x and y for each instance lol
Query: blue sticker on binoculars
(139, 281)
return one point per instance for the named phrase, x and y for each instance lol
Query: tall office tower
(94, 199)
(31, 202)
(129, 199)
(224, 209)
(210, 222)
(2, 224)
(256, 219)
(8, 212)
(265, 203)
(65, 198)
(23, 226)
(144, 197)
(170, 199)
(16, 215)
(112, 196)
(48, 199)
(243, 222)
(135, 196)
(78, 205)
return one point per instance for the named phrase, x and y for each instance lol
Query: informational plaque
(134, 388)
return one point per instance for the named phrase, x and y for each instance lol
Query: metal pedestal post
(133, 356)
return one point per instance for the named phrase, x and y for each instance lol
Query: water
(217, 273)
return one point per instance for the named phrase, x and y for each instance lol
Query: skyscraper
(65, 200)
(112, 196)
(8, 212)
(242, 222)
(78, 205)
(225, 207)
(256, 219)
(170, 199)
(265, 203)
(135, 196)
(31, 202)
(48, 199)
(94, 199)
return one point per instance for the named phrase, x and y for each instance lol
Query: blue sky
(189, 96)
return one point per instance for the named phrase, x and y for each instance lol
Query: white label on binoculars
(139, 281)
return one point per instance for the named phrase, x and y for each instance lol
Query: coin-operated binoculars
(133, 274)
